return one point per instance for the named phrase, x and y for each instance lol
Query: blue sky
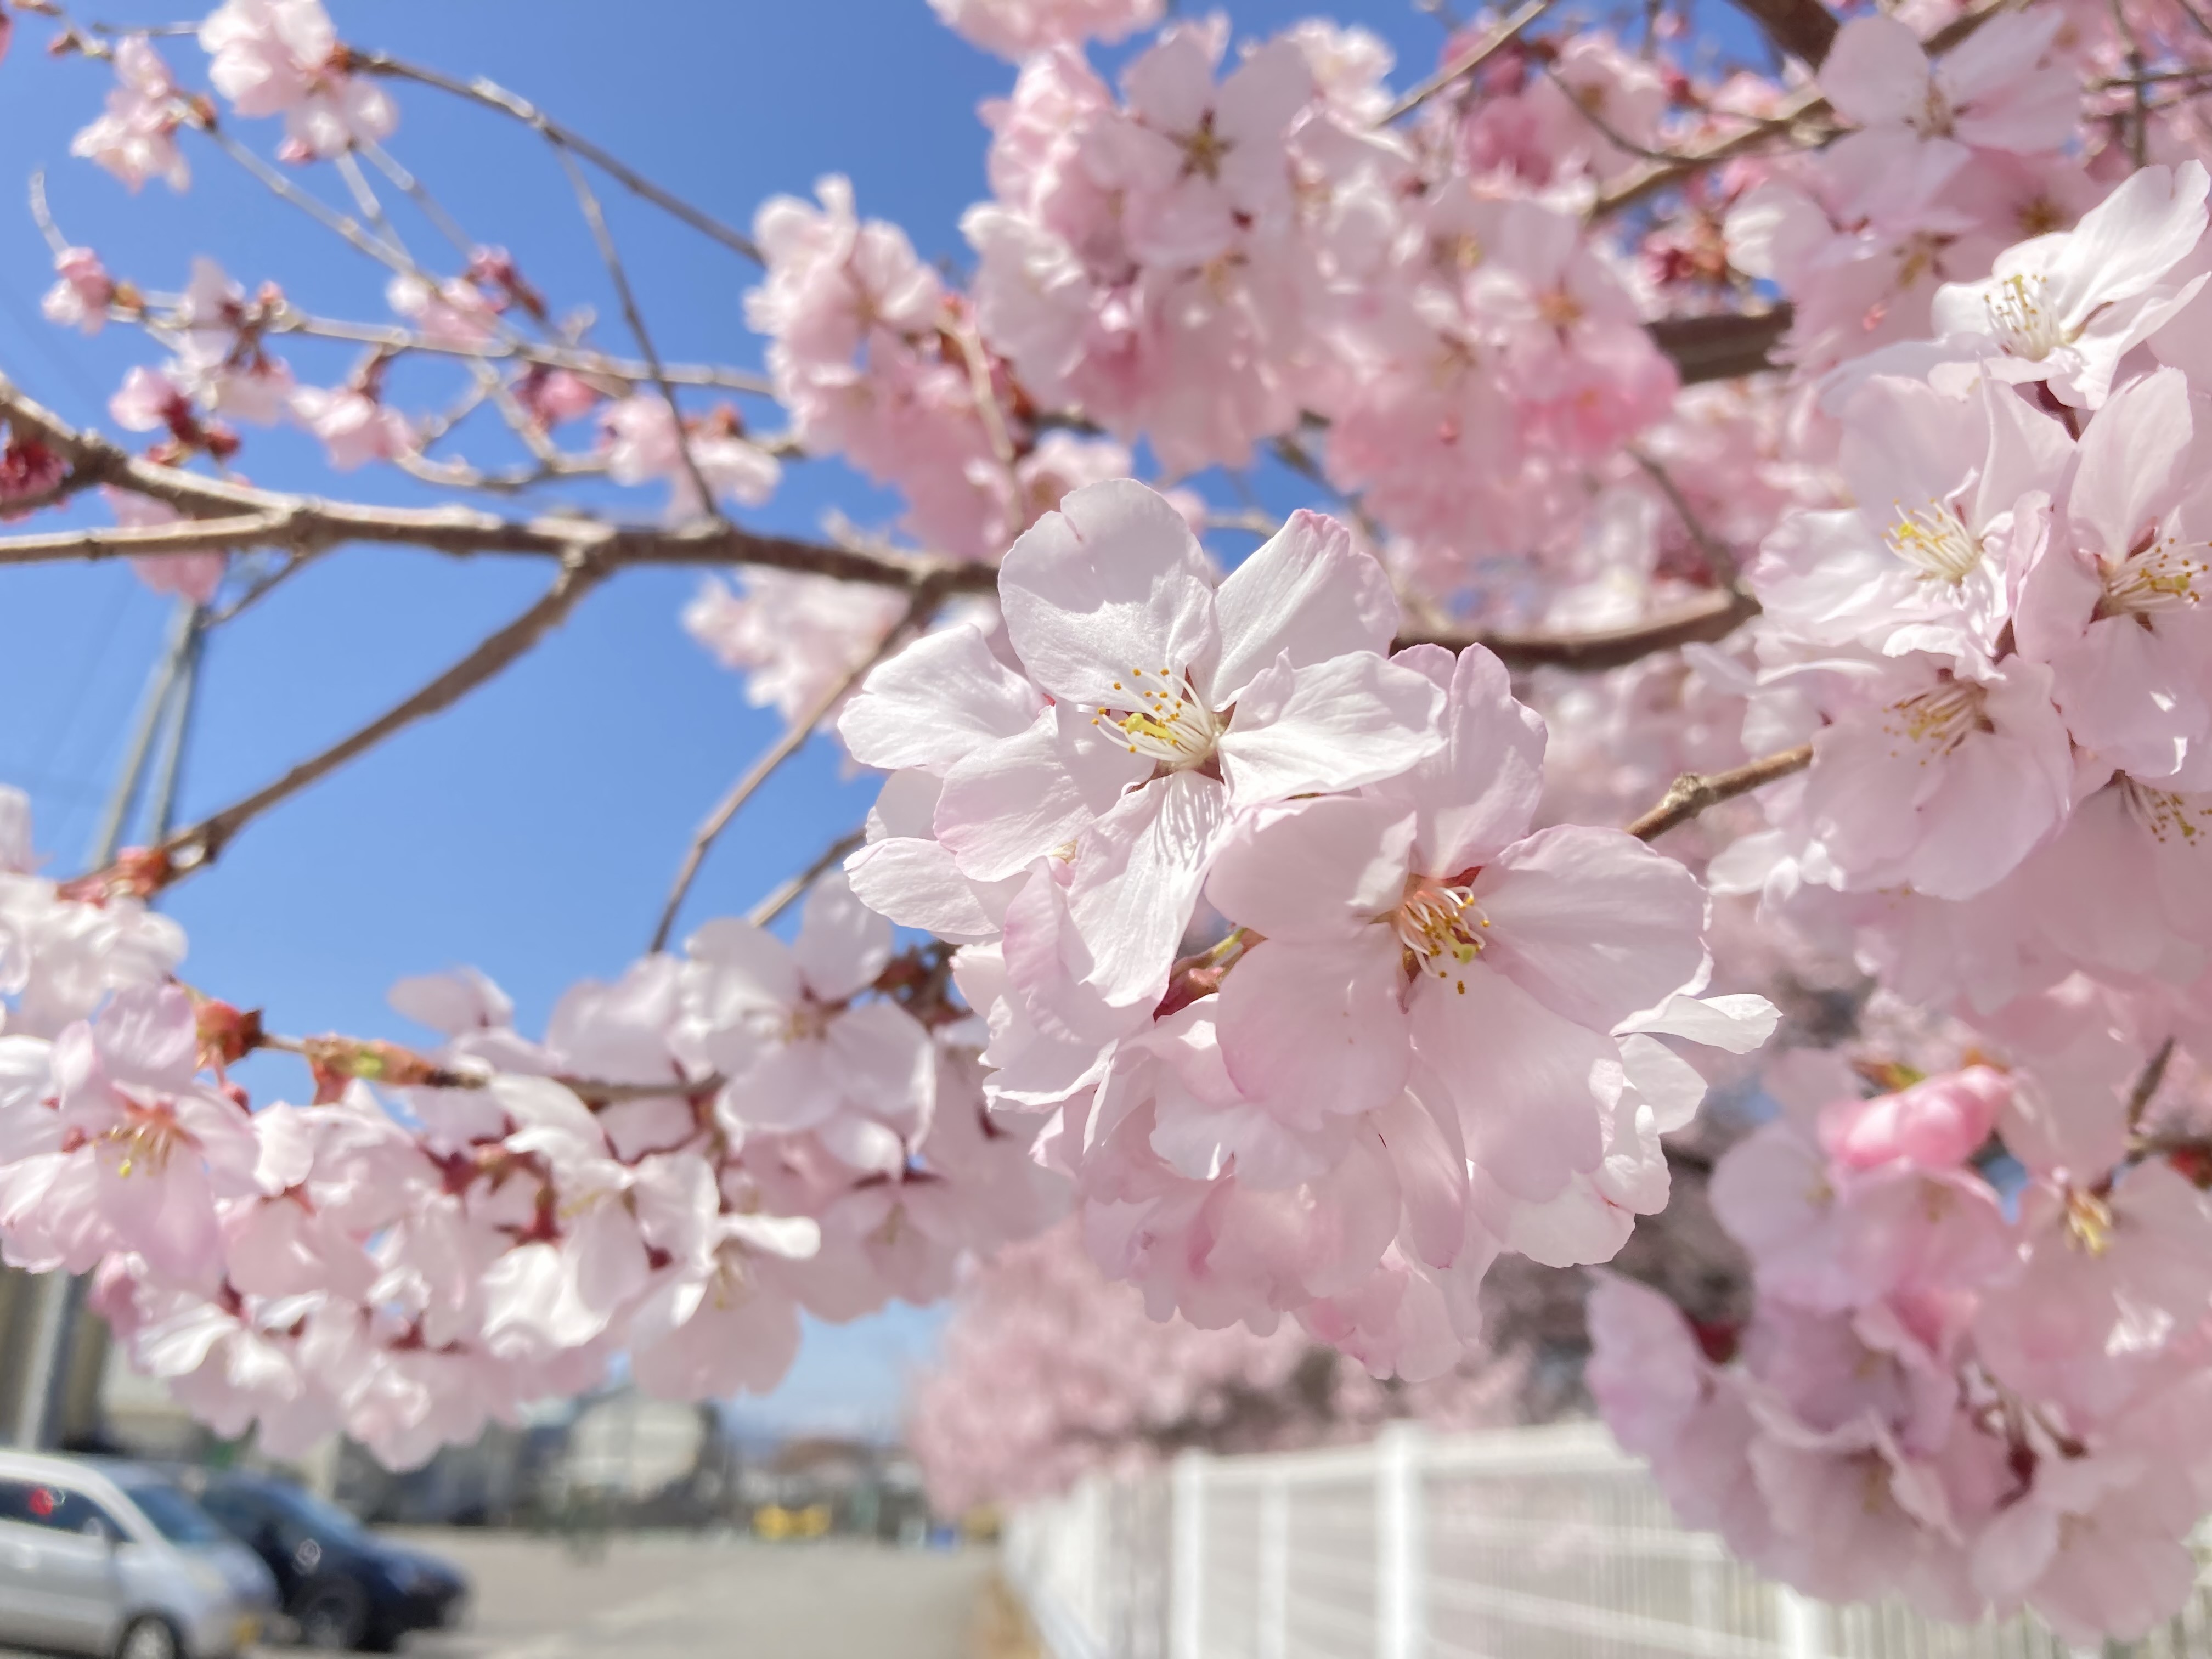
(532, 832)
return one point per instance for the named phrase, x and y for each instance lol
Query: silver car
(108, 1558)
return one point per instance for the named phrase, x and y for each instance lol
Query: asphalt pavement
(673, 1596)
(680, 1596)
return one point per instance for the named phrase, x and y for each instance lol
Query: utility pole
(40, 1367)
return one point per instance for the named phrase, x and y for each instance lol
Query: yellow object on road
(774, 1522)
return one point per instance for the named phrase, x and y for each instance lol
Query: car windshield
(175, 1516)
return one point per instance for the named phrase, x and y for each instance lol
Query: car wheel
(333, 1616)
(149, 1638)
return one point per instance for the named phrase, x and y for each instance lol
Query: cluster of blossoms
(1967, 1378)
(1047, 1370)
(1422, 1033)
(767, 1127)
(1278, 956)
(1998, 650)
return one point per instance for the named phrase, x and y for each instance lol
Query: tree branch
(2147, 1084)
(1719, 557)
(1466, 63)
(1805, 105)
(1713, 618)
(244, 517)
(780, 901)
(492, 96)
(1803, 29)
(1657, 175)
(200, 845)
(587, 202)
(1721, 346)
(1692, 792)
(793, 739)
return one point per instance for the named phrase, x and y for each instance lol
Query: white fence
(1544, 1543)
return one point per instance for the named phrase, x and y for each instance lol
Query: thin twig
(1720, 559)
(2146, 1085)
(2139, 139)
(794, 738)
(1605, 130)
(588, 202)
(1657, 175)
(419, 193)
(1466, 63)
(780, 900)
(42, 216)
(329, 218)
(1692, 792)
(260, 589)
(200, 845)
(494, 96)
(400, 1067)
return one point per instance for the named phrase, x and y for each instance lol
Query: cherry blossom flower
(1017, 29)
(780, 1023)
(194, 576)
(355, 426)
(1991, 92)
(135, 140)
(2064, 309)
(282, 58)
(1201, 702)
(79, 299)
(643, 441)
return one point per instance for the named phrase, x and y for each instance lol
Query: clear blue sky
(534, 831)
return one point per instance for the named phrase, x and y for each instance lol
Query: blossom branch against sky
(1256, 576)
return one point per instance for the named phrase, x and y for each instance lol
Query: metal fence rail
(1543, 1543)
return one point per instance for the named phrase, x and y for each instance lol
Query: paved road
(683, 1598)
(679, 1597)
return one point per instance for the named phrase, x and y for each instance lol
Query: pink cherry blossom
(137, 139)
(194, 576)
(79, 299)
(282, 58)
(355, 426)
(643, 442)
(1017, 29)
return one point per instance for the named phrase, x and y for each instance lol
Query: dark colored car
(341, 1585)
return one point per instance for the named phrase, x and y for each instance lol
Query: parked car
(109, 1558)
(342, 1586)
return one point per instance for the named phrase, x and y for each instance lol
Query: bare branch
(2146, 1085)
(1692, 792)
(313, 206)
(1657, 175)
(494, 96)
(373, 1060)
(1807, 105)
(793, 740)
(241, 516)
(1713, 618)
(1466, 62)
(577, 360)
(1721, 346)
(244, 517)
(780, 900)
(1720, 559)
(1803, 29)
(200, 845)
(260, 589)
(610, 256)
